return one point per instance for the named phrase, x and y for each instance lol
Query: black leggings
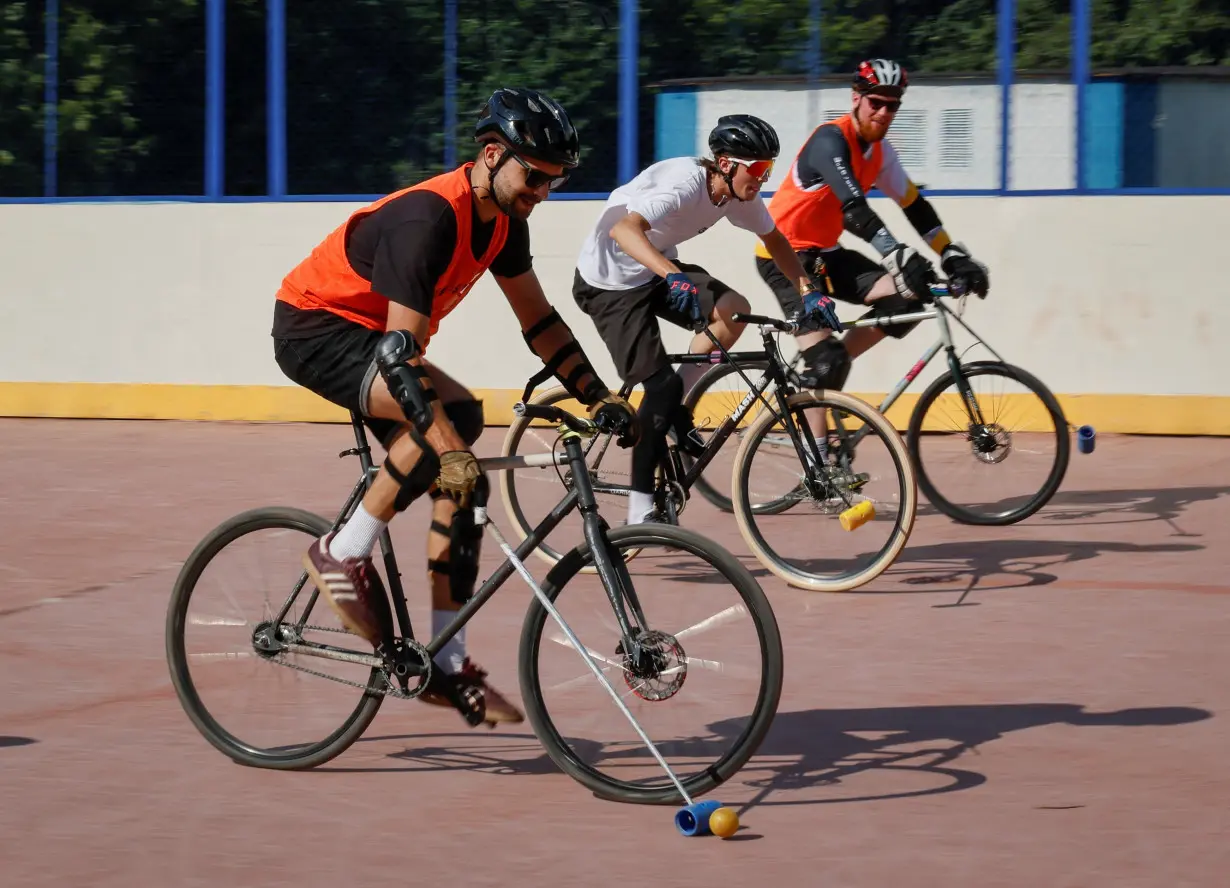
(658, 410)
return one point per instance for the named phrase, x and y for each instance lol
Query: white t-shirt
(672, 197)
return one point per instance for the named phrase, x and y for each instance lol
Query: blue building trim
(1102, 137)
(674, 124)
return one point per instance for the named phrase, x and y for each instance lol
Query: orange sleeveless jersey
(812, 217)
(325, 280)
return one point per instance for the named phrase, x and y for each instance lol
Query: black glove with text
(911, 273)
(962, 268)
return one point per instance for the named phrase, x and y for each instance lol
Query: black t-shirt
(403, 249)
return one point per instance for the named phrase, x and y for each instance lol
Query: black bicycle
(796, 494)
(644, 628)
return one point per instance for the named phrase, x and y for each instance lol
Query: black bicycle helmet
(535, 125)
(745, 137)
(882, 77)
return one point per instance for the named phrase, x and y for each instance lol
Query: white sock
(357, 536)
(640, 505)
(452, 656)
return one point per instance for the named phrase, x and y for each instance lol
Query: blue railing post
(450, 84)
(51, 76)
(1006, 55)
(1080, 78)
(215, 56)
(628, 39)
(275, 98)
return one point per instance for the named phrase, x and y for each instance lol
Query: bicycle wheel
(1015, 429)
(727, 619)
(805, 551)
(194, 672)
(531, 492)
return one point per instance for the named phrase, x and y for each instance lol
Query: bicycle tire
(965, 515)
(770, 685)
(301, 757)
(508, 488)
(906, 514)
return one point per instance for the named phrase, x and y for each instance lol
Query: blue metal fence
(631, 93)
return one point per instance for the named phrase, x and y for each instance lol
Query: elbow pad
(922, 216)
(860, 219)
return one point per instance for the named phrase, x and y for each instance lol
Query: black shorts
(627, 320)
(848, 276)
(339, 366)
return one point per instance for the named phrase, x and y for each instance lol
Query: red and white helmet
(882, 77)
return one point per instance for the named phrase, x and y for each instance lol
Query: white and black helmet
(882, 77)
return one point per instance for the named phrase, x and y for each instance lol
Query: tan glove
(459, 472)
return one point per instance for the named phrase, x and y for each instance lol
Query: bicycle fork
(595, 535)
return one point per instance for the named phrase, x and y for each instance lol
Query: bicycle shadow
(504, 754)
(823, 749)
(804, 752)
(1024, 563)
(1092, 508)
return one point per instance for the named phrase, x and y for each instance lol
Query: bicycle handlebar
(551, 413)
(766, 321)
(941, 288)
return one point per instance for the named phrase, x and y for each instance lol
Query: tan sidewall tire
(909, 505)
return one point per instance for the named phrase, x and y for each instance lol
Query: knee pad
(828, 364)
(467, 419)
(465, 540)
(663, 394)
(892, 305)
(417, 481)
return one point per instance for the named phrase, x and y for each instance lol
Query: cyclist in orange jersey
(352, 322)
(824, 194)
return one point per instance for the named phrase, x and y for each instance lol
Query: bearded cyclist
(352, 323)
(628, 276)
(824, 194)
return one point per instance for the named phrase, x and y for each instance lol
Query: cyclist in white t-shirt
(628, 275)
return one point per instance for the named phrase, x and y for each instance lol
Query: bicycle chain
(389, 691)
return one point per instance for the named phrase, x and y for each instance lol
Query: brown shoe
(468, 692)
(348, 586)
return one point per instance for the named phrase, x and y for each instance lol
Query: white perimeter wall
(948, 136)
(1095, 294)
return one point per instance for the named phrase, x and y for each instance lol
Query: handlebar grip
(749, 318)
(552, 414)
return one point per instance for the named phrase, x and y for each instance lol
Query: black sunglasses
(879, 104)
(536, 178)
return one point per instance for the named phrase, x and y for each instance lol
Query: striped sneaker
(348, 586)
(469, 693)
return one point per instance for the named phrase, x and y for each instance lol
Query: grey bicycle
(971, 440)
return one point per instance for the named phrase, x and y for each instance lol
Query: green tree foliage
(21, 96)
(365, 111)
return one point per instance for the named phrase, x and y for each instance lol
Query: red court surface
(1065, 725)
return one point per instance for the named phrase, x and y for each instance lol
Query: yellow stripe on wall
(1124, 414)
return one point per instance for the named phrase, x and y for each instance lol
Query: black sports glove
(685, 298)
(961, 267)
(912, 274)
(612, 413)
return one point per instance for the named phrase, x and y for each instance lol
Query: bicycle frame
(775, 375)
(580, 496)
(941, 313)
